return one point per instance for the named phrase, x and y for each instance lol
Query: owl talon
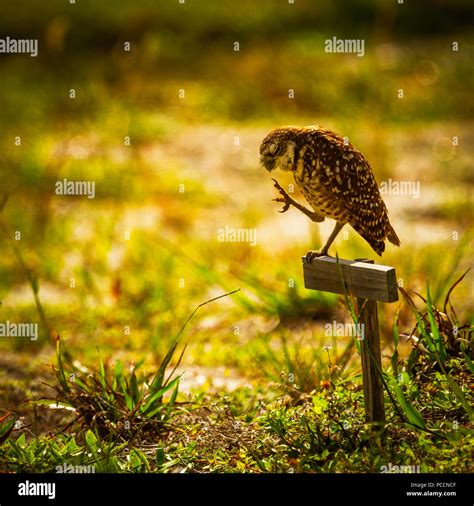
(281, 190)
(285, 198)
(314, 254)
(277, 186)
(285, 207)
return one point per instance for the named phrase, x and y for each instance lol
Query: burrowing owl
(335, 179)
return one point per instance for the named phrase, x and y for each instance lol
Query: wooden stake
(369, 283)
(371, 361)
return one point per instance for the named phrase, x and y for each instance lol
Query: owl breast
(317, 195)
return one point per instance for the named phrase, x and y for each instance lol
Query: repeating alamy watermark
(69, 468)
(76, 188)
(10, 45)
(231, 234)
(10, 329)
(345, 329)
(395, 469)
(335, 45)
(392, 187)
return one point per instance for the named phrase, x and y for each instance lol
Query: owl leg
(287, 200)
(324, 250)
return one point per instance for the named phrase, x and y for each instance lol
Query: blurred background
(169, 132)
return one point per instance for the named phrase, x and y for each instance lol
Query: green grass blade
(172, 401)
(435, 333)
(156, 397)
(413, 415)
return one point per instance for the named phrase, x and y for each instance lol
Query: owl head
(278, 148)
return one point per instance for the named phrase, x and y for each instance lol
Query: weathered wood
(371, 360)
(365, 280)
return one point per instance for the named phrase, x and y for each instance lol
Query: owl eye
(272, 149)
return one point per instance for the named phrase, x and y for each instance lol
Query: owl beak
(268, 162)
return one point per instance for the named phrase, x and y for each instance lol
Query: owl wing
(347, 175)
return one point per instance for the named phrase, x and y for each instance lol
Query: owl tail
(392, 235)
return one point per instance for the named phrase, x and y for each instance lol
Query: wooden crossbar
(369, 281)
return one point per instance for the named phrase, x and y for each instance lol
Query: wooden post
(369, 283)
